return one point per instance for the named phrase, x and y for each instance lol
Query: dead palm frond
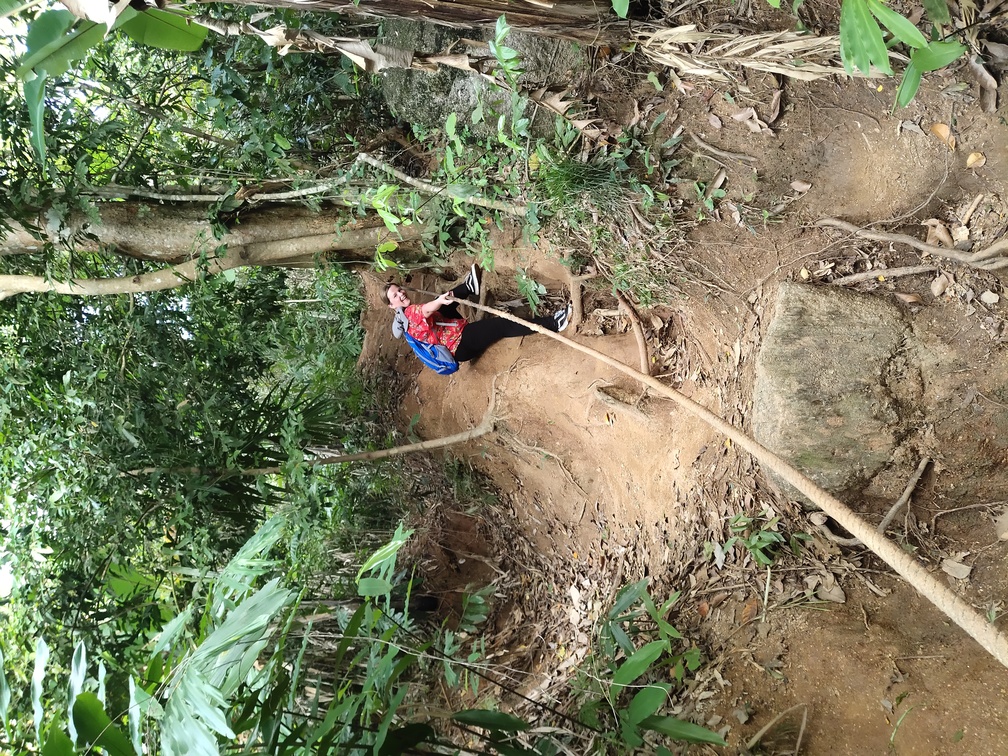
(692, 52)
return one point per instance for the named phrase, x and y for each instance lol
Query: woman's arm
(430, 308)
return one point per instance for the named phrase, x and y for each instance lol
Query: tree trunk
(580, 20)
(180, 235)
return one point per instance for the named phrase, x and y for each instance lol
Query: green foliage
(862, 42)
(530, 289)
(636, 646)
(758, 536)
(620, 7)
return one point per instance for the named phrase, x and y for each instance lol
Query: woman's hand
(430, 308)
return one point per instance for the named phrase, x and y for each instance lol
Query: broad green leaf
(936, 55)
(647, 702)
(621, 7)
(281, 141)
(462, 191)
(639, 662)
(861, 43)
(5, 694)
(450, 123)
(167, 31)
(78, 668)
(938, 11)
(497, 721)
(34, 94)
(909, 86)
(373, 586)
(96, 728)
(47, 28)
(57, 55)
(677, 729)
(900, 26)
(38, 675)
(58, 743)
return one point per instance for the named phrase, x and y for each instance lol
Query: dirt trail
(609, 486)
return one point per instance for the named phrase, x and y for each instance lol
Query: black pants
(480, 335)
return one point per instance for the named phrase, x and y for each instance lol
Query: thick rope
(960, 612)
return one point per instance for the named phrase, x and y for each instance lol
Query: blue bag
(435, 356)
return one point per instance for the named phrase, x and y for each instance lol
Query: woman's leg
(480, 335)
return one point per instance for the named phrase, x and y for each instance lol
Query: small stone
(989, 298)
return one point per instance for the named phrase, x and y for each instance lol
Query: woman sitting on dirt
(465, 340)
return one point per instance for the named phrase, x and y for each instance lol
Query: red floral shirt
(435, 329)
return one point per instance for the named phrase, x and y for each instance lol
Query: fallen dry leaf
(976, 160)
(749, 611)
(832, 593)
(944, 134)
(937, 232)
(800, 186)
(774, 106)
(909, 298)
(703, 609)
(939, 285)
(958, 570)
(996, 49)
(911, 126)
(713, 120)
(960, 233)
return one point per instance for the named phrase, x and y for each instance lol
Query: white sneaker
(562, 317)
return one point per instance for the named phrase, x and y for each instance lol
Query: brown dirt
(601, 485)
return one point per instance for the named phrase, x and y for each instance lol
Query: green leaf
(639, 663)
(5, 694)
(677, 729)
(937, 11)
(78, 669)
(58, 743)
(909, 86)
(281, 141)
(373, 586)
(96, 728)
(627, 597)
(167, 31)
(387, 552)
(620, 7)
(60, 51)
(34, 94)
(47, 28)
(491, 720)
(450, 123)
(861, 43)
(936, 55)
(900, 26)
(38, 675)
(647, 702)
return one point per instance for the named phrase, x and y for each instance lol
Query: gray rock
(832, 384)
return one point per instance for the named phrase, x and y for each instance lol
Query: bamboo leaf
(5, 694)
(909, 86)
(677, 729)
(497, 721)
(95, 726)
(34, 94)
(78, 668)
(164, 30)
(38, 675)
(936, 55)
(900, 26)
(647, 702)
(386, 554)
(639, 663)
(621, 7)
(861, 43)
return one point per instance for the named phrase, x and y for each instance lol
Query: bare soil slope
(602, 485)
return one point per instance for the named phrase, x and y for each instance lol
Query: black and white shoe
(472, 281)
(562, 318)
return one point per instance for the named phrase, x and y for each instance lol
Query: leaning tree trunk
(580, 20)
(181, 237)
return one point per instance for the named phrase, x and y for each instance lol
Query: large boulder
(834, 385)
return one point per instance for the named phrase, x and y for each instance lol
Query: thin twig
(961, 509)
(766, 728)
(905, 497)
